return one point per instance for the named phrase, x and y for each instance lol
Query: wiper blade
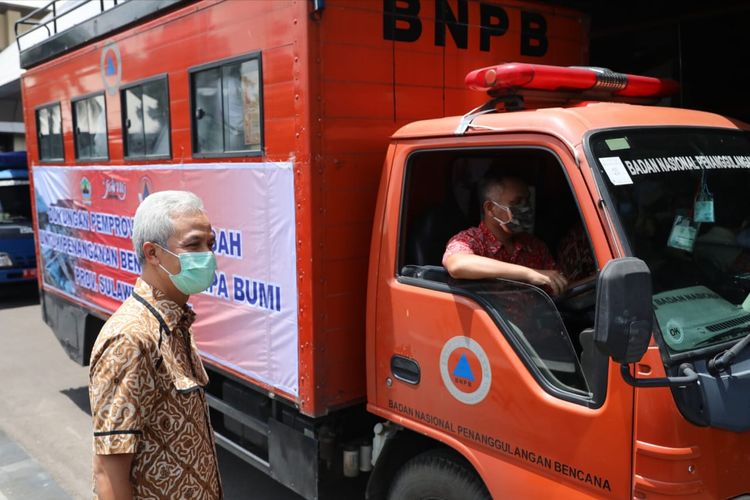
(727, 334)
(724, 359)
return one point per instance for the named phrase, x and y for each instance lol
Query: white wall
(19, 142)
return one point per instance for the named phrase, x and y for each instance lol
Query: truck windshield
(681, 197)
(15, 205)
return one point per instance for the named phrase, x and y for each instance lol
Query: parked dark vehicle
(17, 259)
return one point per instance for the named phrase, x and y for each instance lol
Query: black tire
(437, 475)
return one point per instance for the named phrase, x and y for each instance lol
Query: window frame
(49, 105)
(74, 116)
(600, 387)
(192, 71)
(124, 118)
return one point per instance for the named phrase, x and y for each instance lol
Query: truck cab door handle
(405, 369)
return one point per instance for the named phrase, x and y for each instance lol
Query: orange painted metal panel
(348, 137)
(363, 100)
(379, 63)
(345, 173)
(674, 457)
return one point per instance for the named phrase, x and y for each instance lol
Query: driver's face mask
(518, 218)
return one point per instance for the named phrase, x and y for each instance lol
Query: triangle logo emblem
(463, 370)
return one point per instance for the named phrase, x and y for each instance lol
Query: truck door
(497, 369)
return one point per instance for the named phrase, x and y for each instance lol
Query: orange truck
(345, 362)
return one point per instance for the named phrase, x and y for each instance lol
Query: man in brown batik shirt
(152, 434)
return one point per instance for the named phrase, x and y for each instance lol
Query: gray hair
(153, 218)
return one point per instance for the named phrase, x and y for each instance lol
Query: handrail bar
(28, 19)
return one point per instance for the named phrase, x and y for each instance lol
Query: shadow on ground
(18, 295)
(79, 396)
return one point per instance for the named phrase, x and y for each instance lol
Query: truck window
(226, 108)
(15, 205)
(553, 336)
(145, 119)
(90, 126)
(49, 133)
(680, 196)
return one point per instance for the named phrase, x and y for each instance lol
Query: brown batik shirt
(146, 391)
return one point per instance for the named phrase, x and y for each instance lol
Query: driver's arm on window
(461, 262)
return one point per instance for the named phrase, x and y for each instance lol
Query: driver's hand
(550, 278)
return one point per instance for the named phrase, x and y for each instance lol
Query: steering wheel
(579, 295)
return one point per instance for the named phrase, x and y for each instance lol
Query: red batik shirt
(526, 250)
(575, 256)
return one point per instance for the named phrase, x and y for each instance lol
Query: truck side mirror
(624, 313)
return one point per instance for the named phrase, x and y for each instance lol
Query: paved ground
(45, 426)
(22, 477)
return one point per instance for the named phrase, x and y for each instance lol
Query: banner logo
(145, 188)
(114, 189)
(86, 191)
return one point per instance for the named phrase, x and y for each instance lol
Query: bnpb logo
(145, 188)
(111, 68)
(465, 370)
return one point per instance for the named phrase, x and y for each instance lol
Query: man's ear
(149, 253)
(487, 207)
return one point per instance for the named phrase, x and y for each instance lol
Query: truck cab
(627, 384)
(17, 259)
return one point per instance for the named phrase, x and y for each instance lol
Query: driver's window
(446, 211)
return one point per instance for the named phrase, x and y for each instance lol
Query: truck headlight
(5, 260)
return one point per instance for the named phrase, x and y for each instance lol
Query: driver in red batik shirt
(502, 247)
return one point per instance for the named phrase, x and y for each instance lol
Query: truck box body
(336, 82)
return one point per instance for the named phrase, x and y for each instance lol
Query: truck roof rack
(70, 24)
(511, 103)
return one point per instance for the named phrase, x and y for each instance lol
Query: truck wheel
(437, 475)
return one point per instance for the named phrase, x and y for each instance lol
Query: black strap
(113, 433)
(163, 327)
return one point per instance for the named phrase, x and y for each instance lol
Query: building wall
(19, 142)
(11, 109)
(7, 23)
(9, 14)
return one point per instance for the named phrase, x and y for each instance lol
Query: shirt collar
(173, 313)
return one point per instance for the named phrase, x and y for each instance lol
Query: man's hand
(550, 278)
(112, 476)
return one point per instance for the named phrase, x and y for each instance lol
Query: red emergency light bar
(517, 76)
